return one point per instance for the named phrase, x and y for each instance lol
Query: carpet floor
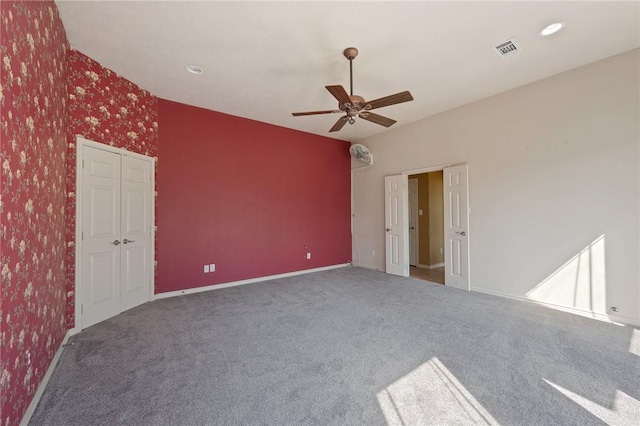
(348, 346)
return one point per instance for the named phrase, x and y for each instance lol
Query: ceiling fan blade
(378, 119)
(340, 94)
(339, 124)
(329, 111)
(398, 98)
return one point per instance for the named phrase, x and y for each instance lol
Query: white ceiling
(264, 60)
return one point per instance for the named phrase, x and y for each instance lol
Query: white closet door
(100, 269)
(116, 233)
(136, 232)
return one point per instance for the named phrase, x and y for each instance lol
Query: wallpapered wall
(251, 197)
(106, 108)
(32, 118)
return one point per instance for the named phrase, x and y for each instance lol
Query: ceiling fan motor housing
(357, 103)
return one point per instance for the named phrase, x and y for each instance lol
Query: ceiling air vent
(507, 48)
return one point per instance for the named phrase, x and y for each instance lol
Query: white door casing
(100, 265)
(396, 218)
(413, 222)
(114, 231)
(456, 227)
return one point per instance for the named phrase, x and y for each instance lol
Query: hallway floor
(435, 275)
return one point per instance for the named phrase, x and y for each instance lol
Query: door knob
(462, 233)
(115, 242)
(412, 227)
(388, 229)
(125, 241)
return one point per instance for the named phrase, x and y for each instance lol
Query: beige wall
(554, 187)
(436, 218)
(423, 221)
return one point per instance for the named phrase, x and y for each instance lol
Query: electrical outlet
(373, 253)
(308, 255)
(212, 267)
(206, 269)
(441, 250)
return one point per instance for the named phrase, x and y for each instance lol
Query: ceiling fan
(355, 106)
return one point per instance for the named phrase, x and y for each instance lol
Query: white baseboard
(45, 380)
(577, 311)
(73, 331)
(435, 265)
(243, 282)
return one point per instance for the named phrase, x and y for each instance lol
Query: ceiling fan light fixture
(551, 29)
(194, 69)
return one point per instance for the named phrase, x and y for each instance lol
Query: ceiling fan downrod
(350, 53)
(351, 76)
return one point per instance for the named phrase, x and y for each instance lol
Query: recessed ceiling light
(194, 69)
(551, 29)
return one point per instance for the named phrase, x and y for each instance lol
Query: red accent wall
(103, 107)
(33, 147)
(252, 198)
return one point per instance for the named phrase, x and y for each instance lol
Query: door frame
(437, 168)
(80, 144)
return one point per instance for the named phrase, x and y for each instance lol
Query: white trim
(26, 417)
(81, 142)
(577, 311)
(425, 170)
(243, 282)
(436, 265)
(78, 236)
(423, 266)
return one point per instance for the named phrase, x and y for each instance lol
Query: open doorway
(456, 224)
(426, 227)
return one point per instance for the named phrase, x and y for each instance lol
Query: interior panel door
(100, 267)
(396, 218)
(136, 232)
(456, 232)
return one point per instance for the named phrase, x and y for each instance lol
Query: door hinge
(81, 235)
(82, 309)
(83, 163)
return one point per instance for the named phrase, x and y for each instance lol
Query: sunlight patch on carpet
(634, 343)
(431, 394)
(622, 408)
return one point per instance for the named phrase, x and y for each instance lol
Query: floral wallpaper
(103, 107)
(33, 111)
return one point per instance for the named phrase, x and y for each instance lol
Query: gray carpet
(344, 347)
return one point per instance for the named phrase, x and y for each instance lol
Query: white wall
(554, 185)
